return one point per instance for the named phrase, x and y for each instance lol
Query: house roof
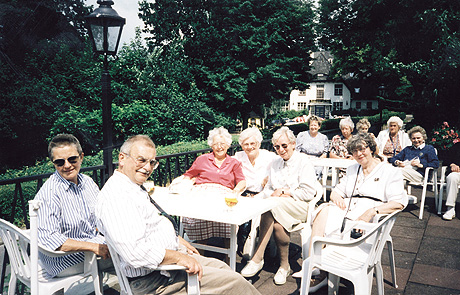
(321, 65)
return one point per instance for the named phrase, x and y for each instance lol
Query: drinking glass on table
(231, 200)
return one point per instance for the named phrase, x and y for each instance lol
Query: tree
(411, 47)
(242, 54)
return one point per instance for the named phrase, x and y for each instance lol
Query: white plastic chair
(193, 287)
(24, 267)
(442, 186)
(433, 181)
(305, 232)
(354, 260)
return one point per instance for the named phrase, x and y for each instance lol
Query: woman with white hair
(216, 173)
(256, 161)
(338, 147)
(393, 140)
(292, 182)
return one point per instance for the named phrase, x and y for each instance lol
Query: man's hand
(176, 257)
(102, 250)
(454, 168)
(190, 248)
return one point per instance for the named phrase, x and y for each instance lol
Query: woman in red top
(214, 173)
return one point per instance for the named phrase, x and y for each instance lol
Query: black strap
(349, 203)
(162, 212)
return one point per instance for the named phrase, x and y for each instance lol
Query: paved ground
(427, 254)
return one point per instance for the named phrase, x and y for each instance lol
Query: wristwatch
(376, 210)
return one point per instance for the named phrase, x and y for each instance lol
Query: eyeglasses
(284, 145)
(360, 149)
(61, 162)
(141, 161)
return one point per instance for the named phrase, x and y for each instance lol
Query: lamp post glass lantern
(105, 27)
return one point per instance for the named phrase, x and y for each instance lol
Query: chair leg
(379, 279)
(422, 203)
(333, 284)
(392, 262)
(193, 286)
(12, 284)
(439, 199)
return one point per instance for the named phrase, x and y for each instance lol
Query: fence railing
(17, 192)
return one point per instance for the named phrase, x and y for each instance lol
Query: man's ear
(121, 159)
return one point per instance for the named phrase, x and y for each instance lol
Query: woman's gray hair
(417, 129)
(283, 131)
(396, 120)
(363, 122)
(314, 118)
(347, 122)
(359, 140)
(250, 132)
(220, 131)
(128, 144)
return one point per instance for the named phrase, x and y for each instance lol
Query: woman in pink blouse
(215, 173)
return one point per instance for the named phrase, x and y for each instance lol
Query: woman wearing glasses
(214, 173)
(369, 187)
(292, 181)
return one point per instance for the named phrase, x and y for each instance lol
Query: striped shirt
(66, 211)
(139, 234)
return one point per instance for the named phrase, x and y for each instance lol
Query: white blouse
(256, 174)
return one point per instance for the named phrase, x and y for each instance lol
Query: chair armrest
(169, 267)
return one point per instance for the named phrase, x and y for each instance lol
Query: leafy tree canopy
(242, 54)
(411, 47)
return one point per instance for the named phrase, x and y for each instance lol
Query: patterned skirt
(198, 229)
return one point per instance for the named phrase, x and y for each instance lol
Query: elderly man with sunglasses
(66, 218)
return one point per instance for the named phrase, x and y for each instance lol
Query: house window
(338, 89)
(369, 105)
(320, 91)
(303, 93)
(338, 106)
(301, 106)
(358, 105)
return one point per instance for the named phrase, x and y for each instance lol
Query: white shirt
(256, 174)
(137, 230)
(296, 174)
(385, 183)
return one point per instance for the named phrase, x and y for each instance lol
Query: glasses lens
(277, 147)
(154, 164)
(73, 159)
(59, 162)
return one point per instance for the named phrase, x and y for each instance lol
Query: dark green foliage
(242, 54)
(412, 47)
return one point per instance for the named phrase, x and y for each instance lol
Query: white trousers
(411, 175)
(453, 180)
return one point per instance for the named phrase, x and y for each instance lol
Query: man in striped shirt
(66, 218)
(144, 238)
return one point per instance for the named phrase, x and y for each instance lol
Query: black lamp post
(105, 26)
(382, 95)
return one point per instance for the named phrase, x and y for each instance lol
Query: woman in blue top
(416, 158)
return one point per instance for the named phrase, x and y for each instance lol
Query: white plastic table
(213, 208)
(336, 165)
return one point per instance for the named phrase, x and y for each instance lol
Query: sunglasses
(61, 162)
(277, 147)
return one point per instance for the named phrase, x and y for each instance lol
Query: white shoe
(252, 268)
(299, 274)
(450, 213)
(281, 275)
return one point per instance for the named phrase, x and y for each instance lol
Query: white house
(325, 94)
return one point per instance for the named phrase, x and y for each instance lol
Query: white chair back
(355, 260)
(24, 266)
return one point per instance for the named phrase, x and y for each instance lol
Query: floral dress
(339, 146)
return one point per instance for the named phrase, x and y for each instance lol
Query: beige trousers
(218, 279)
